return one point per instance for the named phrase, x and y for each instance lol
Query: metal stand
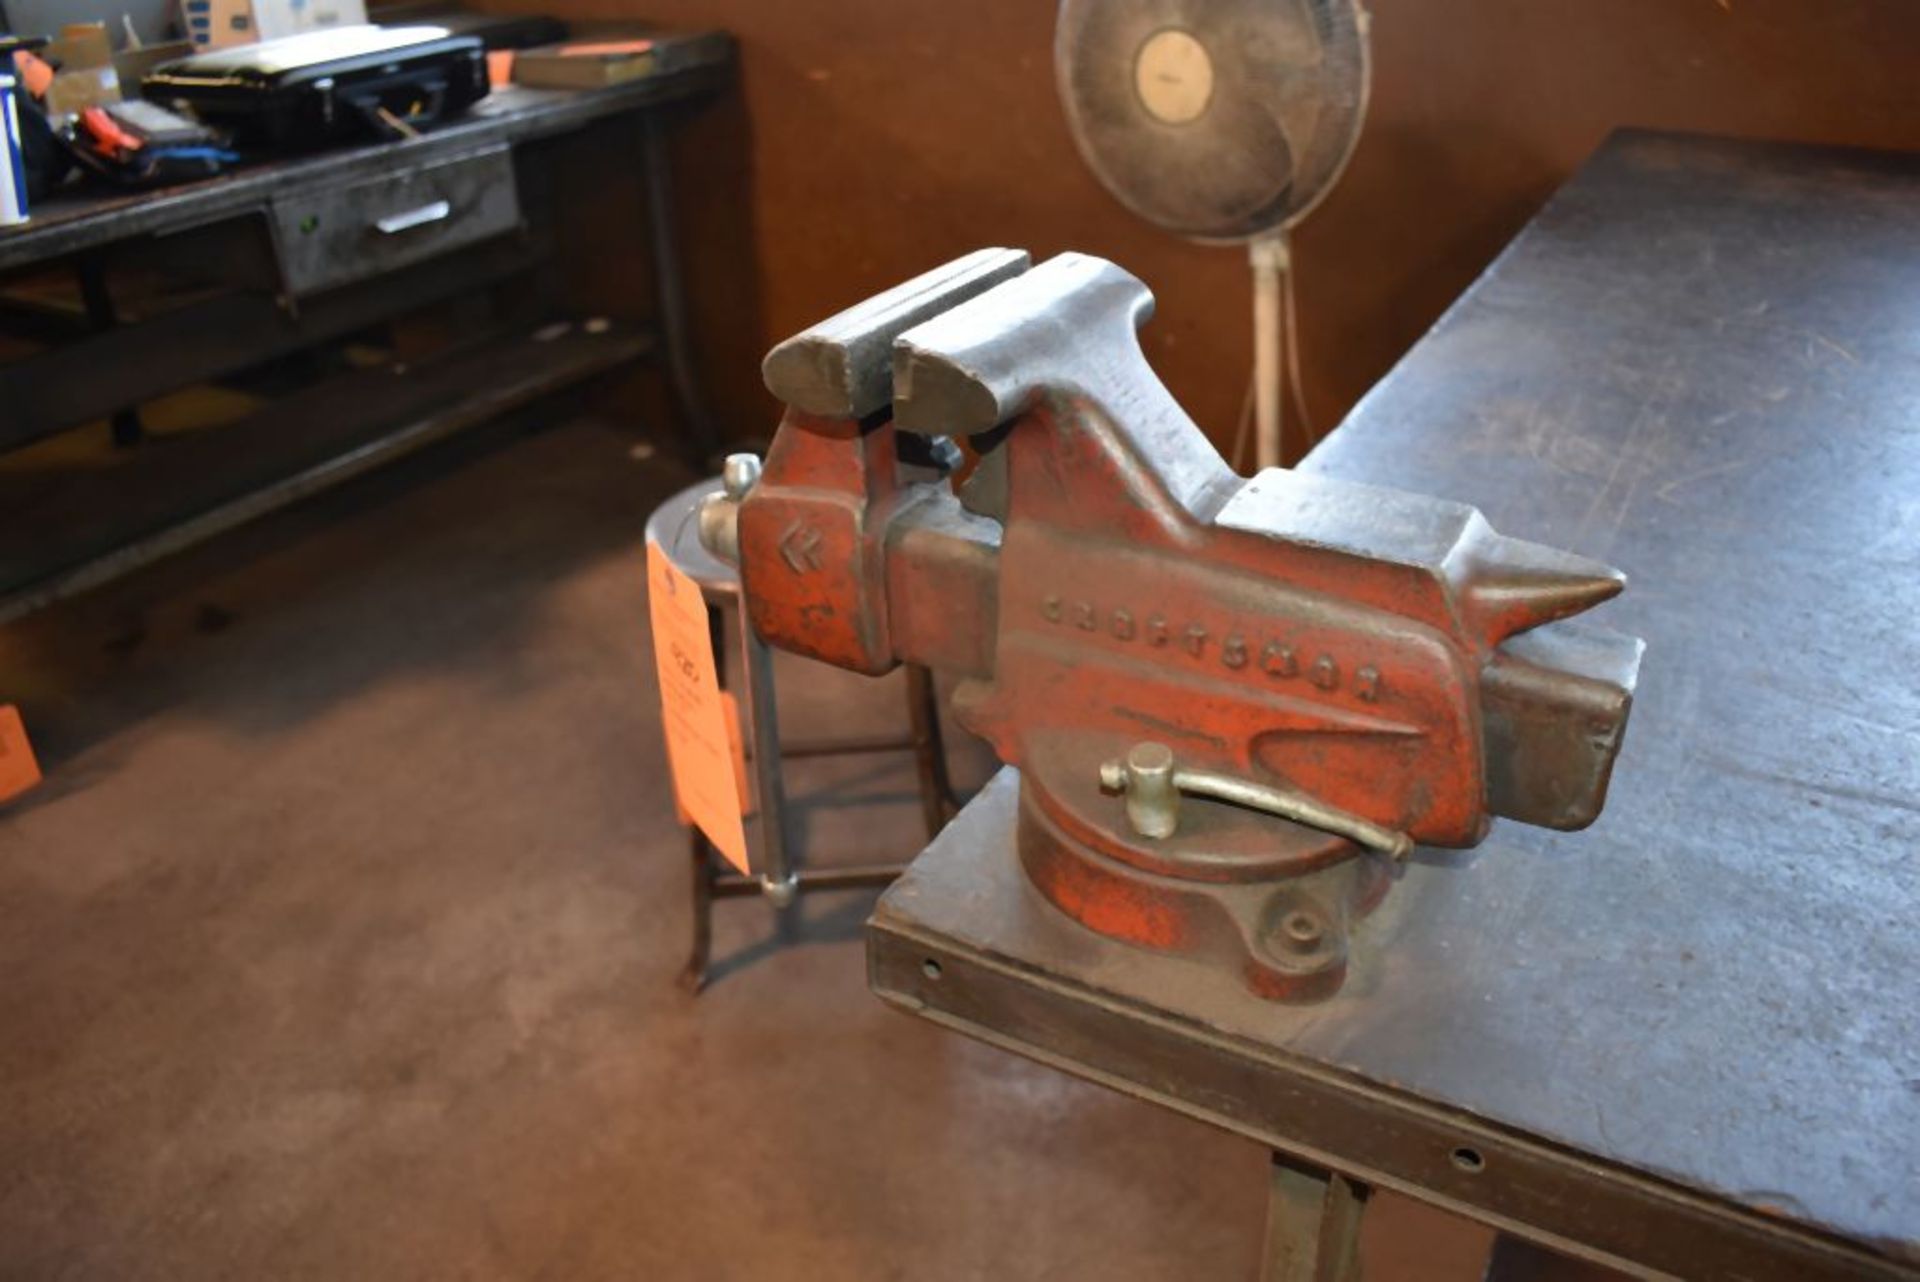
(782, 881)
(1313, 1225)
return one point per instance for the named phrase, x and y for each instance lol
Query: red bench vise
(1234, 703)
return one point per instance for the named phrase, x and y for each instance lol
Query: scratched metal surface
(1701, 363)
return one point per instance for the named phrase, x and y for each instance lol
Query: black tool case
(328, 86)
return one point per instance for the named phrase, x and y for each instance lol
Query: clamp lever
(1153, 784)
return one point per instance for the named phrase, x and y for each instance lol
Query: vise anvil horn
(1234, 702)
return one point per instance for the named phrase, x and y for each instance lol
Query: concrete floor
(341, 942)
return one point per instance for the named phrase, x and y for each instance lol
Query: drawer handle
(394, 224)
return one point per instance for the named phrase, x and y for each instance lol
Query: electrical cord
(1237, 457)
(1290, 344)
(1290, 377)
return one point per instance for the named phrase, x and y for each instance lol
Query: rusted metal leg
(694, 977)
(1313, 1225)
(670, 290)
(128, 430)
(937, 802)
(1513, 1260)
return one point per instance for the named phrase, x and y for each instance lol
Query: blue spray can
(13, 162)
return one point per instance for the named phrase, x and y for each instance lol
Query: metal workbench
(73, 221)
(65, 529)
(1686, 1041)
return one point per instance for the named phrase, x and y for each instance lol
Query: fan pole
(1269, 258)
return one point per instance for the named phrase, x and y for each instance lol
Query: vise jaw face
(1332, 666)
(812, 534)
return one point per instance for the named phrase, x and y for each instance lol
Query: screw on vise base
(1147, 779)
(1301, 931)
(1153, 785)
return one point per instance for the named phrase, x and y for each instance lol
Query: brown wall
(879, 137)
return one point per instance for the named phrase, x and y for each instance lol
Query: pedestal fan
(1225, 121)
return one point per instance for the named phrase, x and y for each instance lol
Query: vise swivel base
(1235, 703)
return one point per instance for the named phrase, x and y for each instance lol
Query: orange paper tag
(693, 710)
(18, 769)
(738, 747)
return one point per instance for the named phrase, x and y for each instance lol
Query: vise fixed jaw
(1234, 702)
(842, 368)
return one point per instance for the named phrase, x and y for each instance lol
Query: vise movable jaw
(1234, 703)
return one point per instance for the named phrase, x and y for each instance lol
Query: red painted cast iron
(1233, 702)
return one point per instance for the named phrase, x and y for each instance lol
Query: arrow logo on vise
(800, 547)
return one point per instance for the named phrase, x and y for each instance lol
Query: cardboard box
(87, 77)
(215, 24)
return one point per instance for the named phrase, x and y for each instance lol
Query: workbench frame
(108, 366)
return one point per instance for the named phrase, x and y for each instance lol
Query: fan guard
(1221, 120)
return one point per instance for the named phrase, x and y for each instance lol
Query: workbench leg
(937, 802)
(670, 290)
(1313, 1225)
(694, 977)
(1513, 1260)
(128, 430)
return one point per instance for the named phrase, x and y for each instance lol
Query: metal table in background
(66, 531)
(1687, 1041)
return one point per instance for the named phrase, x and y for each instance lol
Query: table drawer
(327, 238)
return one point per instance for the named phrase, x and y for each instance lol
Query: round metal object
(1287, 937)
(675, 526)
(1221, 120)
